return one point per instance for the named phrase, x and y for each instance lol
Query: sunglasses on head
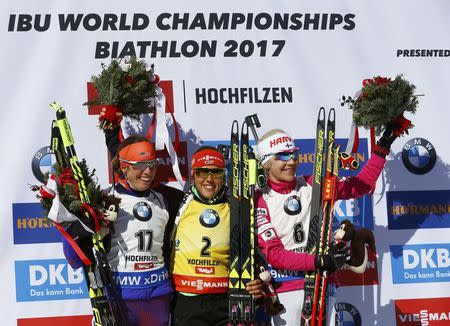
(142, 165)
(286, 156)
(204, 173)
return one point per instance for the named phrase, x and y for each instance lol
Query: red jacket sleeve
(361, 184)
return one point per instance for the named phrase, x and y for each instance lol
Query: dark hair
(115, 164)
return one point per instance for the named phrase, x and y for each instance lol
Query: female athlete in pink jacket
(283, 214)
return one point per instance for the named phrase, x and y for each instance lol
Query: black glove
(383, 146)
(335, 259)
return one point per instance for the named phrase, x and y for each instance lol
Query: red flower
(129, 79)
(66, 177)
(367, 82)
(381, 80)
(377, 81)
(401, 125)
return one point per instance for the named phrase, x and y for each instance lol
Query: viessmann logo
(429, 311)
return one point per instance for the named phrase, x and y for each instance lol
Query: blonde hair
(271, 132)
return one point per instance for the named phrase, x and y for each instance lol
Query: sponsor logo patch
(292, 205)
(209, 218)
(204, 270)
(215, 285)
(264, 227)
(268, 235)
(261, 211)
(261, 221)
(142, 211)
(281, 140)
(141, 266)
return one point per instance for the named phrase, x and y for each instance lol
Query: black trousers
(200, 310)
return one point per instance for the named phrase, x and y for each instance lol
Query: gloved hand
(110, 117)
(393, 129)
(335, 259)
(383, 146)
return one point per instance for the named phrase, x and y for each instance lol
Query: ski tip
(55, 106)
(235, 127)
(331, 115)
(244, 128)
(321, 115)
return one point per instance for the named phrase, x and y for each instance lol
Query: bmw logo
(42, 163)
(142, 211)
(292, 205)
(209, 218)
(347, 314)
(419, 156)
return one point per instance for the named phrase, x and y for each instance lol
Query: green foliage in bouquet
(68, 189)
(381, 101)
(127, 85)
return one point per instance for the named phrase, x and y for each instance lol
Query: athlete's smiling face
(208, 180)
(137, 179)
(282, 170)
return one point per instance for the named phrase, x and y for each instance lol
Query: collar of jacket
(221, 196)
(282, 187)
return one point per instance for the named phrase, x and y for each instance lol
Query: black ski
(234, 299)
(105, 305)
(325, 178)
(313, 243)
(242, 222)
(248, 173)
(327, 202)
(329, 195)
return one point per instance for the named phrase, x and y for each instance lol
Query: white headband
(280, 142)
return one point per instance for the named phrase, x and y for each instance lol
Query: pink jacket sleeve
(362, 183)
(271, 244)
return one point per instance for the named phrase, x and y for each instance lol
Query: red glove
(110, 117)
